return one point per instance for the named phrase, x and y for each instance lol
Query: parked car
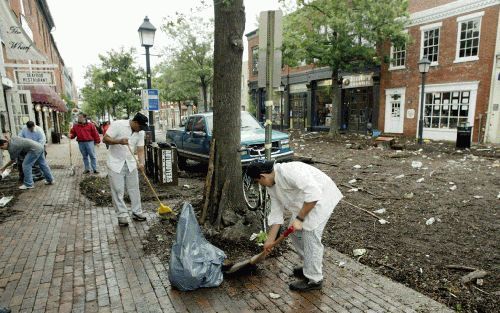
(193, 140)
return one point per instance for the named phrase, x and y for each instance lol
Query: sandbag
(194, 262)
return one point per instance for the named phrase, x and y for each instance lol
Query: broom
(163, 209)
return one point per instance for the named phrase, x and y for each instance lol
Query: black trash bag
(194, 262)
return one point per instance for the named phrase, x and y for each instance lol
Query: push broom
(163, 210)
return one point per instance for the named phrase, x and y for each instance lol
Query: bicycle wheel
(265, 209)
(252, 192)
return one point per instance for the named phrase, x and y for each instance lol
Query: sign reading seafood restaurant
(35, 78)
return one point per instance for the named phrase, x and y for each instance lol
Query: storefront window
(446, 109)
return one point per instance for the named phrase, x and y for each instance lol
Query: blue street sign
(150, 99)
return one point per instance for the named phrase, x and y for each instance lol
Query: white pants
(118, 181)
(310, 249)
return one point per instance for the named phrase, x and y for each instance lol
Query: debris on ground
(358, 252)
(416, 164)
(430, 221)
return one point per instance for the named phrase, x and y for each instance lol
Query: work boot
(305, 285)
(138, 216)
(49, 182)
(96, 172)
(123, 221)
(298, 272)
(86, 172)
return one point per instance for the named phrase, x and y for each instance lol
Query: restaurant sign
(18, 43)
(24, 77)
(356, 81)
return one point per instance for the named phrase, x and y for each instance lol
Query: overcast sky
(86, 28)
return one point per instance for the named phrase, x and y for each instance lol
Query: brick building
(461, 39)
(463, 83)
(304, 100)
(34, 76)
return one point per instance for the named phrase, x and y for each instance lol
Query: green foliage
(173, 85)
(190, 58)
(113, 86)
(342, 34)
(67, 115)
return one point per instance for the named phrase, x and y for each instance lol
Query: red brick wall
(446, 71)
(420, 5)
(254, 41)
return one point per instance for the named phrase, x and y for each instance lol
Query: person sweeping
(311, 196)
(125, 137)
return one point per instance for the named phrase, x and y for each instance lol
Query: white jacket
(296, 183)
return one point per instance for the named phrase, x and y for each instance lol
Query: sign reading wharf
(35, 78)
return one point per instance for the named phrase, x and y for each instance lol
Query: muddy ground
(459, 190)
(9, 187)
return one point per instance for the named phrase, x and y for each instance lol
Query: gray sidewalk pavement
(62, 253)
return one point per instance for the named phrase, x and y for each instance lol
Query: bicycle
(256, 196)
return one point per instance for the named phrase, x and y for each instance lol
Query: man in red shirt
(87, 136)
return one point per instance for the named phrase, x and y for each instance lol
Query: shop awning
(17, 43)
(47, 96)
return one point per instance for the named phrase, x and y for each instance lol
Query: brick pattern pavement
(63, 254)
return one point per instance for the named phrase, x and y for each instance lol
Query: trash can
(167, 164)
(464, 136)
(56, 137)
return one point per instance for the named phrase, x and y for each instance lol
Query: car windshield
(247, 122)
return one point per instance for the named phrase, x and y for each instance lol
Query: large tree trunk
(226, 192)
(334, 121)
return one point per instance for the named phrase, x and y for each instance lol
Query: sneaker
(138, 216)
(86, 172)
(49, 182)
(24, 187)
(123, 221)
(305, 285)
(96, 172)
(298, 272)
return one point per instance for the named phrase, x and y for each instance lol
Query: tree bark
(334, 121)
(204, 87)
(228, 50)
(180, 112)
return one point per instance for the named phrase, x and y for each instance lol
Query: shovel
(163, 209)
(258, 257)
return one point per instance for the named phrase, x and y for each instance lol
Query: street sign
(270, 40)
(150, 99)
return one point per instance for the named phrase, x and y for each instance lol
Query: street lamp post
(147, 36)
(423, 67)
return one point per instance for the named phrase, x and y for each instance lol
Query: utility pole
(269, 76)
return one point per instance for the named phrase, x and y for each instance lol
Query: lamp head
(423, 65)
(147, 33)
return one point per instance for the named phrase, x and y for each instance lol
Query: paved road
(64, 254)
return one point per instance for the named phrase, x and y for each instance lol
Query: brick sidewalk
(63, 254)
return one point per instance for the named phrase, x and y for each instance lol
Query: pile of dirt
(96, 188)
(441, 204)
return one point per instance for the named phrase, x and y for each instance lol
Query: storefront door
(20, 109)
(394, 110)
(298, 103)
(359, 108)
